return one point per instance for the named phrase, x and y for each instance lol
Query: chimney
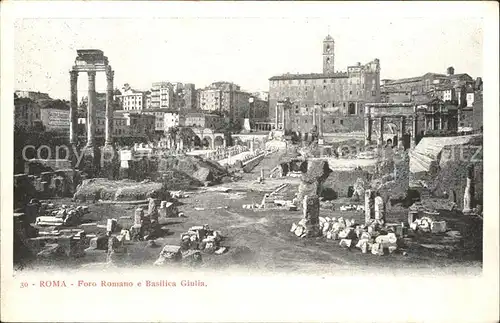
(450, 71)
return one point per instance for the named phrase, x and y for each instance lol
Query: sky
(246, 51)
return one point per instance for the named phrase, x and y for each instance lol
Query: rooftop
(308, 76)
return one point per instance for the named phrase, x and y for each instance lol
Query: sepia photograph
(265, 145)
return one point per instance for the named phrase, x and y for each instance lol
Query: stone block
(345, 243)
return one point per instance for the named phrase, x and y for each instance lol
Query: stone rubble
(196, 240)
(48, 215)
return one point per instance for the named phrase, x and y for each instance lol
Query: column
(368, 206)
(109, 106)
(380, 141)
(73, 108)
(283, 118)
(368, 129)
(415, 131)
(402, 131)
(314, 115)
(469, 191)
(425, 123)
(91, 114)
(440, 121)
(276, 116)
(320, 121)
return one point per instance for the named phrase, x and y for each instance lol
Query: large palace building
(341, 95)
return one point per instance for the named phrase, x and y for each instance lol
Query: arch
(197, 141)
(219, 141)
(207, 142)
(351, 108)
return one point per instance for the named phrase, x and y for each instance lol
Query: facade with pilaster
(338, 94)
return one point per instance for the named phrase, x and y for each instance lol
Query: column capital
(73, 74)
(91, 74)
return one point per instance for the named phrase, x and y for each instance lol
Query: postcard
(249, 161)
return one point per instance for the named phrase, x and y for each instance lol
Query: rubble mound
(124, 190)
(197, 168)
(178, 180)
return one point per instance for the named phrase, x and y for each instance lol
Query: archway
(197, 141)
(218, 141)
(207, 142)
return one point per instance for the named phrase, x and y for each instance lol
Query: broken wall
(340, 180)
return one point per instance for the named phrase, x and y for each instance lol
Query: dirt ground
(261, 241)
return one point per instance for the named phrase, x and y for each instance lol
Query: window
(324, 81)
(324, 87)
(342, 122)
(305, 121)
(333, 121)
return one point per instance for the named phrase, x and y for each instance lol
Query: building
(262, 95)
(259, 109)
(165, 118)
(162, 95)
(204, 120)
(54, 115)
(148, 100)
(125, 124)
(35, 96)
(477, 111)
(470, 96)
(100, 102)
(227, 99)
(338, 93)
(26, 112)
(428, 83)
(131, 99)
(395, 96)
(190, 97)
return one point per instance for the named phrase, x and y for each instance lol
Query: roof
(201, 114)
(53, 104)
(309, 76)
(415, 79)
(461, 76)
(164, 110)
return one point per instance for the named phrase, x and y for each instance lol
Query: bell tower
(328, 55)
